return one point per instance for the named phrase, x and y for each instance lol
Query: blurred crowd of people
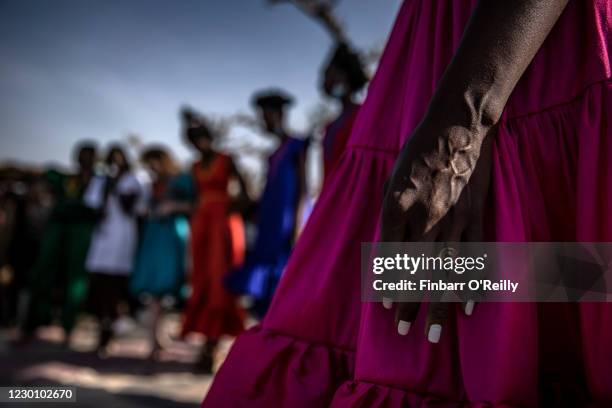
(118, 235)
(470, 119)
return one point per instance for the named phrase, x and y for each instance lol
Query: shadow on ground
(127, 378)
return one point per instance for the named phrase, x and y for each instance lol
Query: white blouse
(114, 240)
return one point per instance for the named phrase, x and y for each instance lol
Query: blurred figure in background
(26, 207)
(10, 203)
(64, 246)
(343, 77)
(279, 208)
(211, 309)
(111, 255)
(160, 267)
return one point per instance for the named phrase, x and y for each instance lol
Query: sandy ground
(126, 378)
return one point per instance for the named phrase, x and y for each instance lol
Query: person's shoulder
(54, 175)
(182, 185)
(184, 177)
(226, 160)
(224, 157)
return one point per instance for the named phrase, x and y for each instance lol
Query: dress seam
(422, 394)
(382, 150)
(508, 119)
(552, 107)
(316, 343)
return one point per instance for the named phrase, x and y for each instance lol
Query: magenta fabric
(552, 180)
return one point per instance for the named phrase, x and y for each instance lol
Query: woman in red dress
(211, 309)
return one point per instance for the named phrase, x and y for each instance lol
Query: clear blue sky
(101, 69)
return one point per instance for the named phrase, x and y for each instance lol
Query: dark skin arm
(437, 188)
(301, 194)
(128, 201)
(242, 202)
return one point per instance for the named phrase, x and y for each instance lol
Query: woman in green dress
(61, 260)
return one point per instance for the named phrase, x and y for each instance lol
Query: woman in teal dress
(160, 266)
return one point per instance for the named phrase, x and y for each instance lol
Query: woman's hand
(429, 175)
(436, 193)
(440, 180)
(169, 208)
(166, 209)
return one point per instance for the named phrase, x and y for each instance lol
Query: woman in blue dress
(160, 266)
(279, 209)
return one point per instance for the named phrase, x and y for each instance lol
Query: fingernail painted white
(387, 303)
(403, 327)
(435, 330)
(469, 307)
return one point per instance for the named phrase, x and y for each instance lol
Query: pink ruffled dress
(552, 181)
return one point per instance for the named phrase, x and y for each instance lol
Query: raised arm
(242, 202)
(302, 195)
